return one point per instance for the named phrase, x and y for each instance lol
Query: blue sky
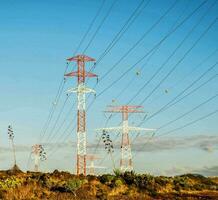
(36, 37)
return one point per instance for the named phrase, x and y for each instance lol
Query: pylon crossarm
(80, 89)
(76, 74)
(119, 128)
(132, 128)
(83, 58)
(121, 111)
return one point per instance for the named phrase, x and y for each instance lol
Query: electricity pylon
(126, 154)
(81, 91)
(11, 138)
(92, 166)
(38, 153)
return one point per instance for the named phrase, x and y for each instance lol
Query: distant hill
(16, 185)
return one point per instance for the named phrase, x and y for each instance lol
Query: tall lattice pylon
(81, 90)
(126, 154)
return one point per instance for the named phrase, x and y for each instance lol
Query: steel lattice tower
(92, 166)
(35, 152)
(81, 90)
(39, 154)
(126, 154)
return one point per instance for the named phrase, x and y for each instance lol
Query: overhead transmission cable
(187, 75)
(90, 26)
(95, 33)
(56, 121)
(187, 113)
(53, 106)
(190, 123)
(60, 89)
(186, 95)
(170, 32)
(171, 55)
(130, 82)
(161, 41)
(100, 25)
(208, 27)
(148, 59)
(176, 65)
(124, 28)
(175, 100)
(183, 115)
(140, 40)
(185, 125)
(206, 30)
(179, 100)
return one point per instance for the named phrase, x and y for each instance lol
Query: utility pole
(92, 166)
(11, 138)
(39, 154)
(126, 154)
(81, 90)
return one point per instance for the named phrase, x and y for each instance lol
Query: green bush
(180, 183)
(11, 182)
(118, 182)
(74, 184)
(129, 177)
(117, 172)
(106, 178)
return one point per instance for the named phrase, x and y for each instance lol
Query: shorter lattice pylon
(38, 154)
(126, 154)
(92, 165)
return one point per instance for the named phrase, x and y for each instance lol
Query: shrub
(118, 182)
(106, 178)
(74, 184)
(11, 182)
(117, 172)
(129, 177)
(180, 183)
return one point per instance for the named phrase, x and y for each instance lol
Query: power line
(61, 86)
(185, 125)
(168, 105)
(145, 64)
(162, 40)
(196, 67)
(130, 82)
(198, 78)
(94, 35)
(179, 62)
(139, 41)
(57, 119)
(65, 119)
(188, 74)
(53, 107)
(188, 124)
(177, 26)
(90, 26)
(100, 25)
(118, 36)
(187, 113)
(123, 29)
(168, 58)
